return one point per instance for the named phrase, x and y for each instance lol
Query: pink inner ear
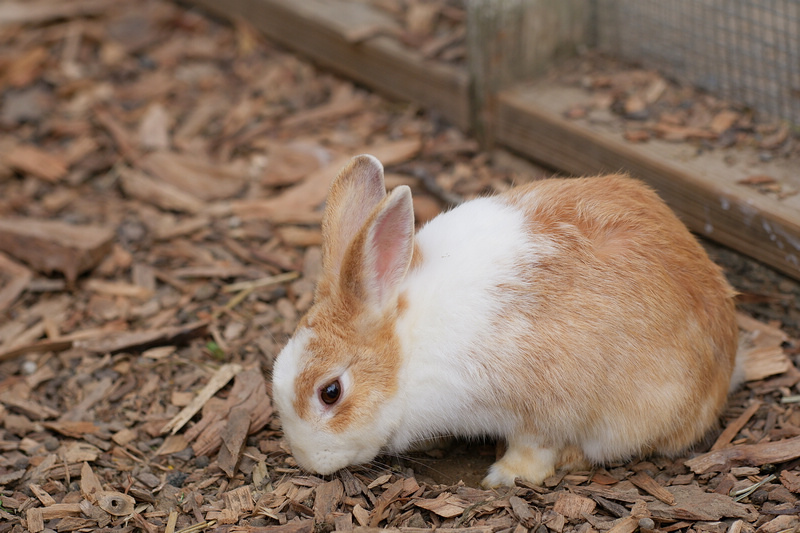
(393, 241)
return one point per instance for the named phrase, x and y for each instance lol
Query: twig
(219, 380)
(744, 493)
(198, 527)
(245, 288)
(171, 521)
(259, 283)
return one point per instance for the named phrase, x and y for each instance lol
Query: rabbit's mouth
(326, 460)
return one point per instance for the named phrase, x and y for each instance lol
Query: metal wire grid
(746, 51)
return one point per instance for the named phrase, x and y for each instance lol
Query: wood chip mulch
(436, 29)
(160, 181)
(648, 106)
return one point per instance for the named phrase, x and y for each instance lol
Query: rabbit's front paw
(523, 459)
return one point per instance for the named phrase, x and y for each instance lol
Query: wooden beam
(701, 187)
(346, 37)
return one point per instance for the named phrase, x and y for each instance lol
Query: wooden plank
(345, 37)
(701, 187)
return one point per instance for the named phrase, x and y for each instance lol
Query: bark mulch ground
(160, 181)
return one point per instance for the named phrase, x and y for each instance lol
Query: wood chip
(76, 429)
(523, 512)
(115, 503)
(785, 522)
(764, 362)
(445, 505)
(239, 500)
(333, 110)
(79, 452)
(36, 162)
(628, 524)
(90, 484)
(114, 342)
(573, 506)
(233, 437)
(220, 379)
(693, 503)
(227, 423)
(637, 136)
(166, 196)
(732, 429)
(154, 128)
(748, 454)
(125, 144)
(790, 480)
(41, 495)
(328, 496)
(60, 510)
(361, 515)
(118, 289)
(37, 516)
(193, 176)
(554, 521)
(52, 246)
(19, 276)
(35, 520)
(649, 485)
(723, 121)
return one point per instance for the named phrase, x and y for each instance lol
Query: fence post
(509, 41)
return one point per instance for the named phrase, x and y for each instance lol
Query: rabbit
(578, 319)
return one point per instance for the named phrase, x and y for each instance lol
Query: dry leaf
(446, 505)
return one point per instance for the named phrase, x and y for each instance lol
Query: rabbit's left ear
(354, 194)
(380, 255)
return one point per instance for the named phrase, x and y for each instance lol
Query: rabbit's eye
(331, 392)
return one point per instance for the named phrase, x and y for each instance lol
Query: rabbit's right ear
(355, 192)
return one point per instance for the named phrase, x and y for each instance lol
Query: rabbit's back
(631, 326)
(617, 333)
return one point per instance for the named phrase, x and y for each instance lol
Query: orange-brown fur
(611, 232)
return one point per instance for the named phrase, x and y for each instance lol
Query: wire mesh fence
(747, 51)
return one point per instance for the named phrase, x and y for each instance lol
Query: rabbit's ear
(355, 192)
(380, 256)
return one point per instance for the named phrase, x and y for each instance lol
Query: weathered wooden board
(700, 186)
(345, 36)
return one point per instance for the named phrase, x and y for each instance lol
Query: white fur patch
(467, 253)
(285, 370)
